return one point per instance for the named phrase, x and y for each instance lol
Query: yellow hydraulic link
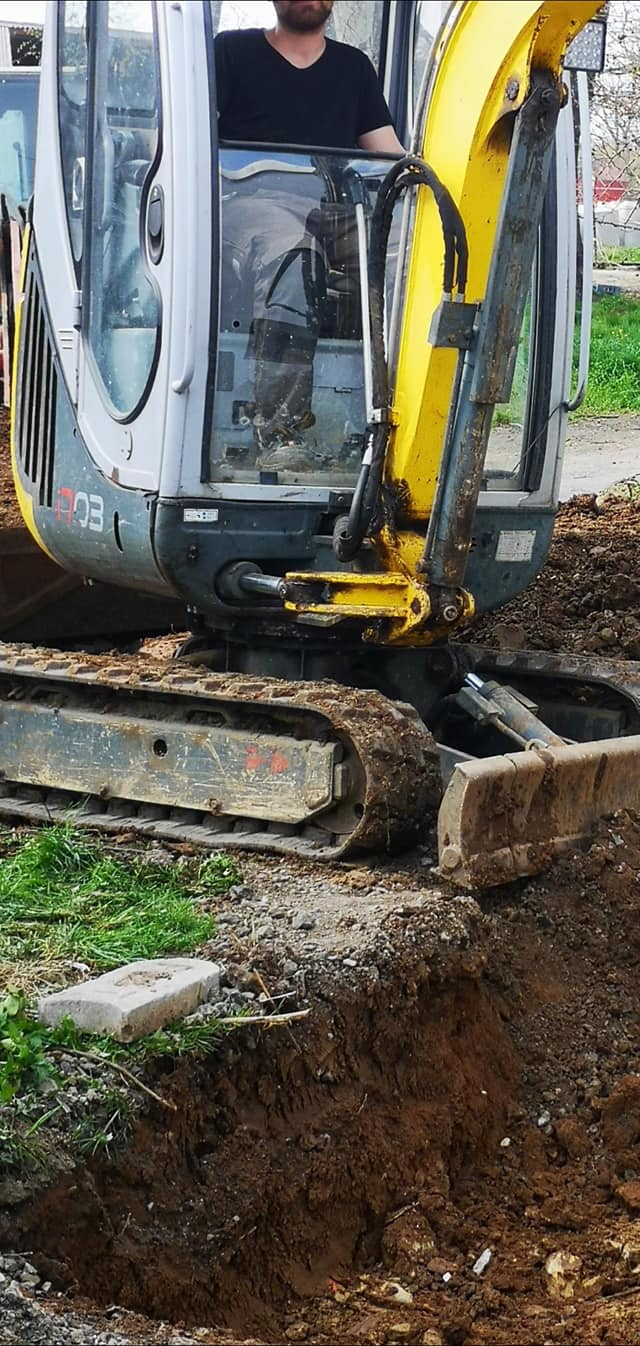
(396, 606)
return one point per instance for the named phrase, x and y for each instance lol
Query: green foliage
(610, 256)
(63, 896)
(23, 1059)
(614, 376)
(178, 1039)
(110, 1131)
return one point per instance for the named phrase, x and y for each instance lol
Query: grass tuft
(63, 897)
(608, 256)
(178, 1039)
(614, 375)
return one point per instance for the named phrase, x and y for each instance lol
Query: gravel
(31, 1316)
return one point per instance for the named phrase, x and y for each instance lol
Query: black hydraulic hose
(350, 530)
(412, 171)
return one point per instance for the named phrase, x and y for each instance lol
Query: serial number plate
(515, 545)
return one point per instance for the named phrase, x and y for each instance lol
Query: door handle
(184, 378)
(155, 224)
(577, 399)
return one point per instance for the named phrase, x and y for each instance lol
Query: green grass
(614, 376)
(66, 897)
(62, 896)
(610, 256)
(176, 1040)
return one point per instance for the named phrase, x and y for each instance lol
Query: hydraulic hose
(351, 530)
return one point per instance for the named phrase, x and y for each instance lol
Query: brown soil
(9, 510)
(586, 600)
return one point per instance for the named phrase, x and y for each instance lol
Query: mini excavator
(330, 703)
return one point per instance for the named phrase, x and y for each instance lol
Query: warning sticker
(200, 515)
(515, 545)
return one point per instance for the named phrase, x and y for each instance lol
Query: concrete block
(135, 999)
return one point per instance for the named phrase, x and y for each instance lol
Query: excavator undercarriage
(314, 769)
(318, 770)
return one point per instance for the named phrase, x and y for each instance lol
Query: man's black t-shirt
(262, 97)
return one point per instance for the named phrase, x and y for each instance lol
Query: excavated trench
(287, 1157)
(464, 1094)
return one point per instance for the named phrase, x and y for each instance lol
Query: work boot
(287, 452)
(283, 380)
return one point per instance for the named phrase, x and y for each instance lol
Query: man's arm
(374, 112)
(382, 141)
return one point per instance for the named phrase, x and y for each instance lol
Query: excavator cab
(320, 396)
(135, 438)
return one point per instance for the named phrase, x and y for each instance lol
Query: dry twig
(265, 989)
(267, 1020)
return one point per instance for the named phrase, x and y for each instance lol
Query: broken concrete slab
(135, 999)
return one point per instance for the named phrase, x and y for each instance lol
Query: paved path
(625, 278)
(600, 451)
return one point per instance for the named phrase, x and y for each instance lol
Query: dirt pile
(586, 600)
(9, 511)
(286, 1155)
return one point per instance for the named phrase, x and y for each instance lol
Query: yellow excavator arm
(485, 128)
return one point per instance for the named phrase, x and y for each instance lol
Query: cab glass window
(72, 115)
(18, 112)
(124, 314)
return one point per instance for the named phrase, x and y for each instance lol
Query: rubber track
(399, 773)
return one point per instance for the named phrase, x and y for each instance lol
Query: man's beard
(300, 19)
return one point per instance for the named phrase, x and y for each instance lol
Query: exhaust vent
(35, 411)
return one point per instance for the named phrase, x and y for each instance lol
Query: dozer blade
(504, 817)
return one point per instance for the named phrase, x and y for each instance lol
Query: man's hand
(382, 141)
